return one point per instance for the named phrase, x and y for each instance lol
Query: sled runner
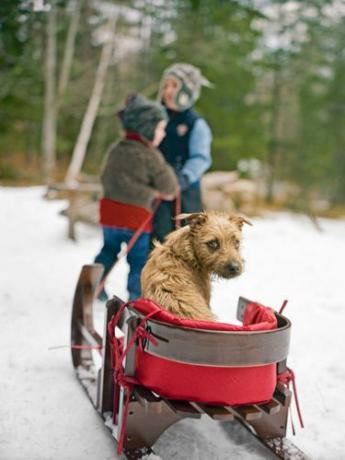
(157, 369)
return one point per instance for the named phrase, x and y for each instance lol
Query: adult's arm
(199, 151)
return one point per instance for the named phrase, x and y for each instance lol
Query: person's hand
(183, 181)
(164, 197)
(170, 197)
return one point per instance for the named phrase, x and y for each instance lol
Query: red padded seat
(204, 383)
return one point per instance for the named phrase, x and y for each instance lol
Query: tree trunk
(49, 116)
(92, 108)
(69, 50)
(273, 143)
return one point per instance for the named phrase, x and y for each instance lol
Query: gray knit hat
(142, 116)
(190, 81)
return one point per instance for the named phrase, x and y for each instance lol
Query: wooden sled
(147, 415)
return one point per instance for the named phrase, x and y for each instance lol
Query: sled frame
(149, 414)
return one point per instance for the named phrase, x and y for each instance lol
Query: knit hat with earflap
(190, 81)
(142, 116)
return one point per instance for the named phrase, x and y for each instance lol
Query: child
(187, 144)
(135, 173)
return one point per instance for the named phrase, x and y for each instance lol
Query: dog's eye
(213, 244)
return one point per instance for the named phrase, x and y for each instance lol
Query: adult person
(187, 144)
(134, 174)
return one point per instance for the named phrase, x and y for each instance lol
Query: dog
(178, 272)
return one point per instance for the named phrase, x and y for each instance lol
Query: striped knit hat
(190, 81)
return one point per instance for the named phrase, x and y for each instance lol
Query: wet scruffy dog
(178, 273)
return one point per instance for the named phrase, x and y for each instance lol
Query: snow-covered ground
(44, 413)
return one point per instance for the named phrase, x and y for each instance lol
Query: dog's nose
(234, 267)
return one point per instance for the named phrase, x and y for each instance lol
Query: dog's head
(216, 241)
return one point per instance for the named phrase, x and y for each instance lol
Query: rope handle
(289, 376)
(283, 306)
(285, 378)
(178, 208)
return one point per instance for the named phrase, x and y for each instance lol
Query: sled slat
(282, 394)
(183, 408)
(271, 407)
(214, 412)
(146, 398)
(249, 412)
(146, 394)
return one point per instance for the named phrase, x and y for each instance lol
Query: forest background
(277, 67)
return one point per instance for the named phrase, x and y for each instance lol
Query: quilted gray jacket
(133, 171)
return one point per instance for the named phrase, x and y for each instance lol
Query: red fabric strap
(121, 215)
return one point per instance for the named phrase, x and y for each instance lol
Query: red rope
(117, 356)
(289, 376)
(86, 347)
(283, 306)
(177, 209)
(286, 377)
(138, 232)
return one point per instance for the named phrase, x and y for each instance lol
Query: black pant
(163, 222)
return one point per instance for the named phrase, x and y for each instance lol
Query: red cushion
(214, 385)
(256, 318)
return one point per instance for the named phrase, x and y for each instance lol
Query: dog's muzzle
(234, 268)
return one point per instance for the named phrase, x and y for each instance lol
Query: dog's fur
(178, 273)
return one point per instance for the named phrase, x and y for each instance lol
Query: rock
(215, 200)
(224, 191)
(240, 186)
(218, 179)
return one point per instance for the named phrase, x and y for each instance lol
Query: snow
(45, 414)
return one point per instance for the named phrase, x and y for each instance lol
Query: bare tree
(49, 116)
(69, 50)
(93, 106)
(273, 147)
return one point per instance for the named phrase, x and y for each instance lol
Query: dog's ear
(194, 220)
(239, 221)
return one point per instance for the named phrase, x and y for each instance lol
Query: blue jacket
(187, 145)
